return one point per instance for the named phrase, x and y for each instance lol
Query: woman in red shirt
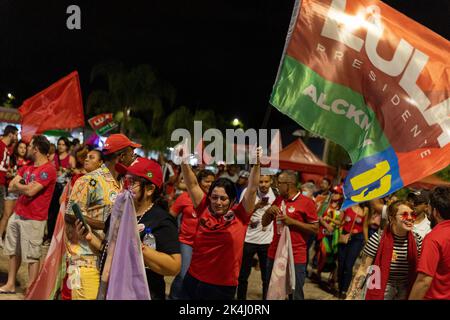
(188, 228)
(64, 163)
(352, 222)
(17, 161)
(219, 242)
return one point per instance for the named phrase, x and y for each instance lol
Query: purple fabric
(127, 279)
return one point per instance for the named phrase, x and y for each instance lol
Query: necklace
(145, 212)
(105, 248)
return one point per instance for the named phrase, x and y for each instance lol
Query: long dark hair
(15, 155)
(66, 142)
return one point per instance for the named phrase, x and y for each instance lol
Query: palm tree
(135, 96)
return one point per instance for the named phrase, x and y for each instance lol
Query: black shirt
(164, 228)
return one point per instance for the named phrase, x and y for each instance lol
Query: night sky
(217, 54)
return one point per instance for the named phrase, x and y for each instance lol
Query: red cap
(118, 141)
(145, 168)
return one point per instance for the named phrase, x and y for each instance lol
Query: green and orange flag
(374, 81)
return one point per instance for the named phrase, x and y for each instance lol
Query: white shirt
(423, 228)
(260, 235)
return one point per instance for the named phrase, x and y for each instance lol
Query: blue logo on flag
(372, 177)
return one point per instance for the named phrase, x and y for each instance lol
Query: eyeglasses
(405, 215)
(284, 182)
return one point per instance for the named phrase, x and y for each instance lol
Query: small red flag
(60, 106)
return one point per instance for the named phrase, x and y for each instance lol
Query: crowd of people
(209, 228)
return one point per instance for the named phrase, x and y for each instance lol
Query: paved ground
(311, 290)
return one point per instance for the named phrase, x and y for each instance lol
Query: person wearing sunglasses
(219, 242)
(300, 216)
(393, 257)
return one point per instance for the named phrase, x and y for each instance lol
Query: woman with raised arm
(218, 245)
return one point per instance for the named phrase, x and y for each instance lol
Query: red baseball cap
(145, 168)
(118, 141)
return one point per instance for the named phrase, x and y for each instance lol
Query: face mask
(305, 193)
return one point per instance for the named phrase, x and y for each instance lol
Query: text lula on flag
(374, 81)
(60, 106)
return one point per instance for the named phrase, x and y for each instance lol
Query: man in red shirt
(302, 220)
(433, 279)
(26, 227)
(8, 139)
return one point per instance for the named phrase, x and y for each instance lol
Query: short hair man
(26, 227)
(433, 278)
(302, 220)
(95, 194)
(257, 238)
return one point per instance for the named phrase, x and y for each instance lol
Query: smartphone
(265, 199)
(77, 211)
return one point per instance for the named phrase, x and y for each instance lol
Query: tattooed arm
(358, 280)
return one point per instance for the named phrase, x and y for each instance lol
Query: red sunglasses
(405, 215)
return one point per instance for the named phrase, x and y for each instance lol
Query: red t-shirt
(218, 245)
(435, 261)
(36, 208)
(64, 163)
(189, 220)
(300, 208)
(349, 217)
(4, 162)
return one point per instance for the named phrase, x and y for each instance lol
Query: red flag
(59, 106)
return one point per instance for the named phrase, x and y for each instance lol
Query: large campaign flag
(374, 81)
(60, 106)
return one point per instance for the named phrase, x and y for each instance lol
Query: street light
(236, 122)
(10, 96)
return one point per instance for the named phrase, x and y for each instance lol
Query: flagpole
(266, 116)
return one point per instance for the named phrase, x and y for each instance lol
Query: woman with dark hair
(63, 160)
(17, 161)
(64, 164)
(351, 242)
(219, 242)
(184, 208)
(144, 179)
(393, 256)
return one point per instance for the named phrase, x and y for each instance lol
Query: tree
(134, 95)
